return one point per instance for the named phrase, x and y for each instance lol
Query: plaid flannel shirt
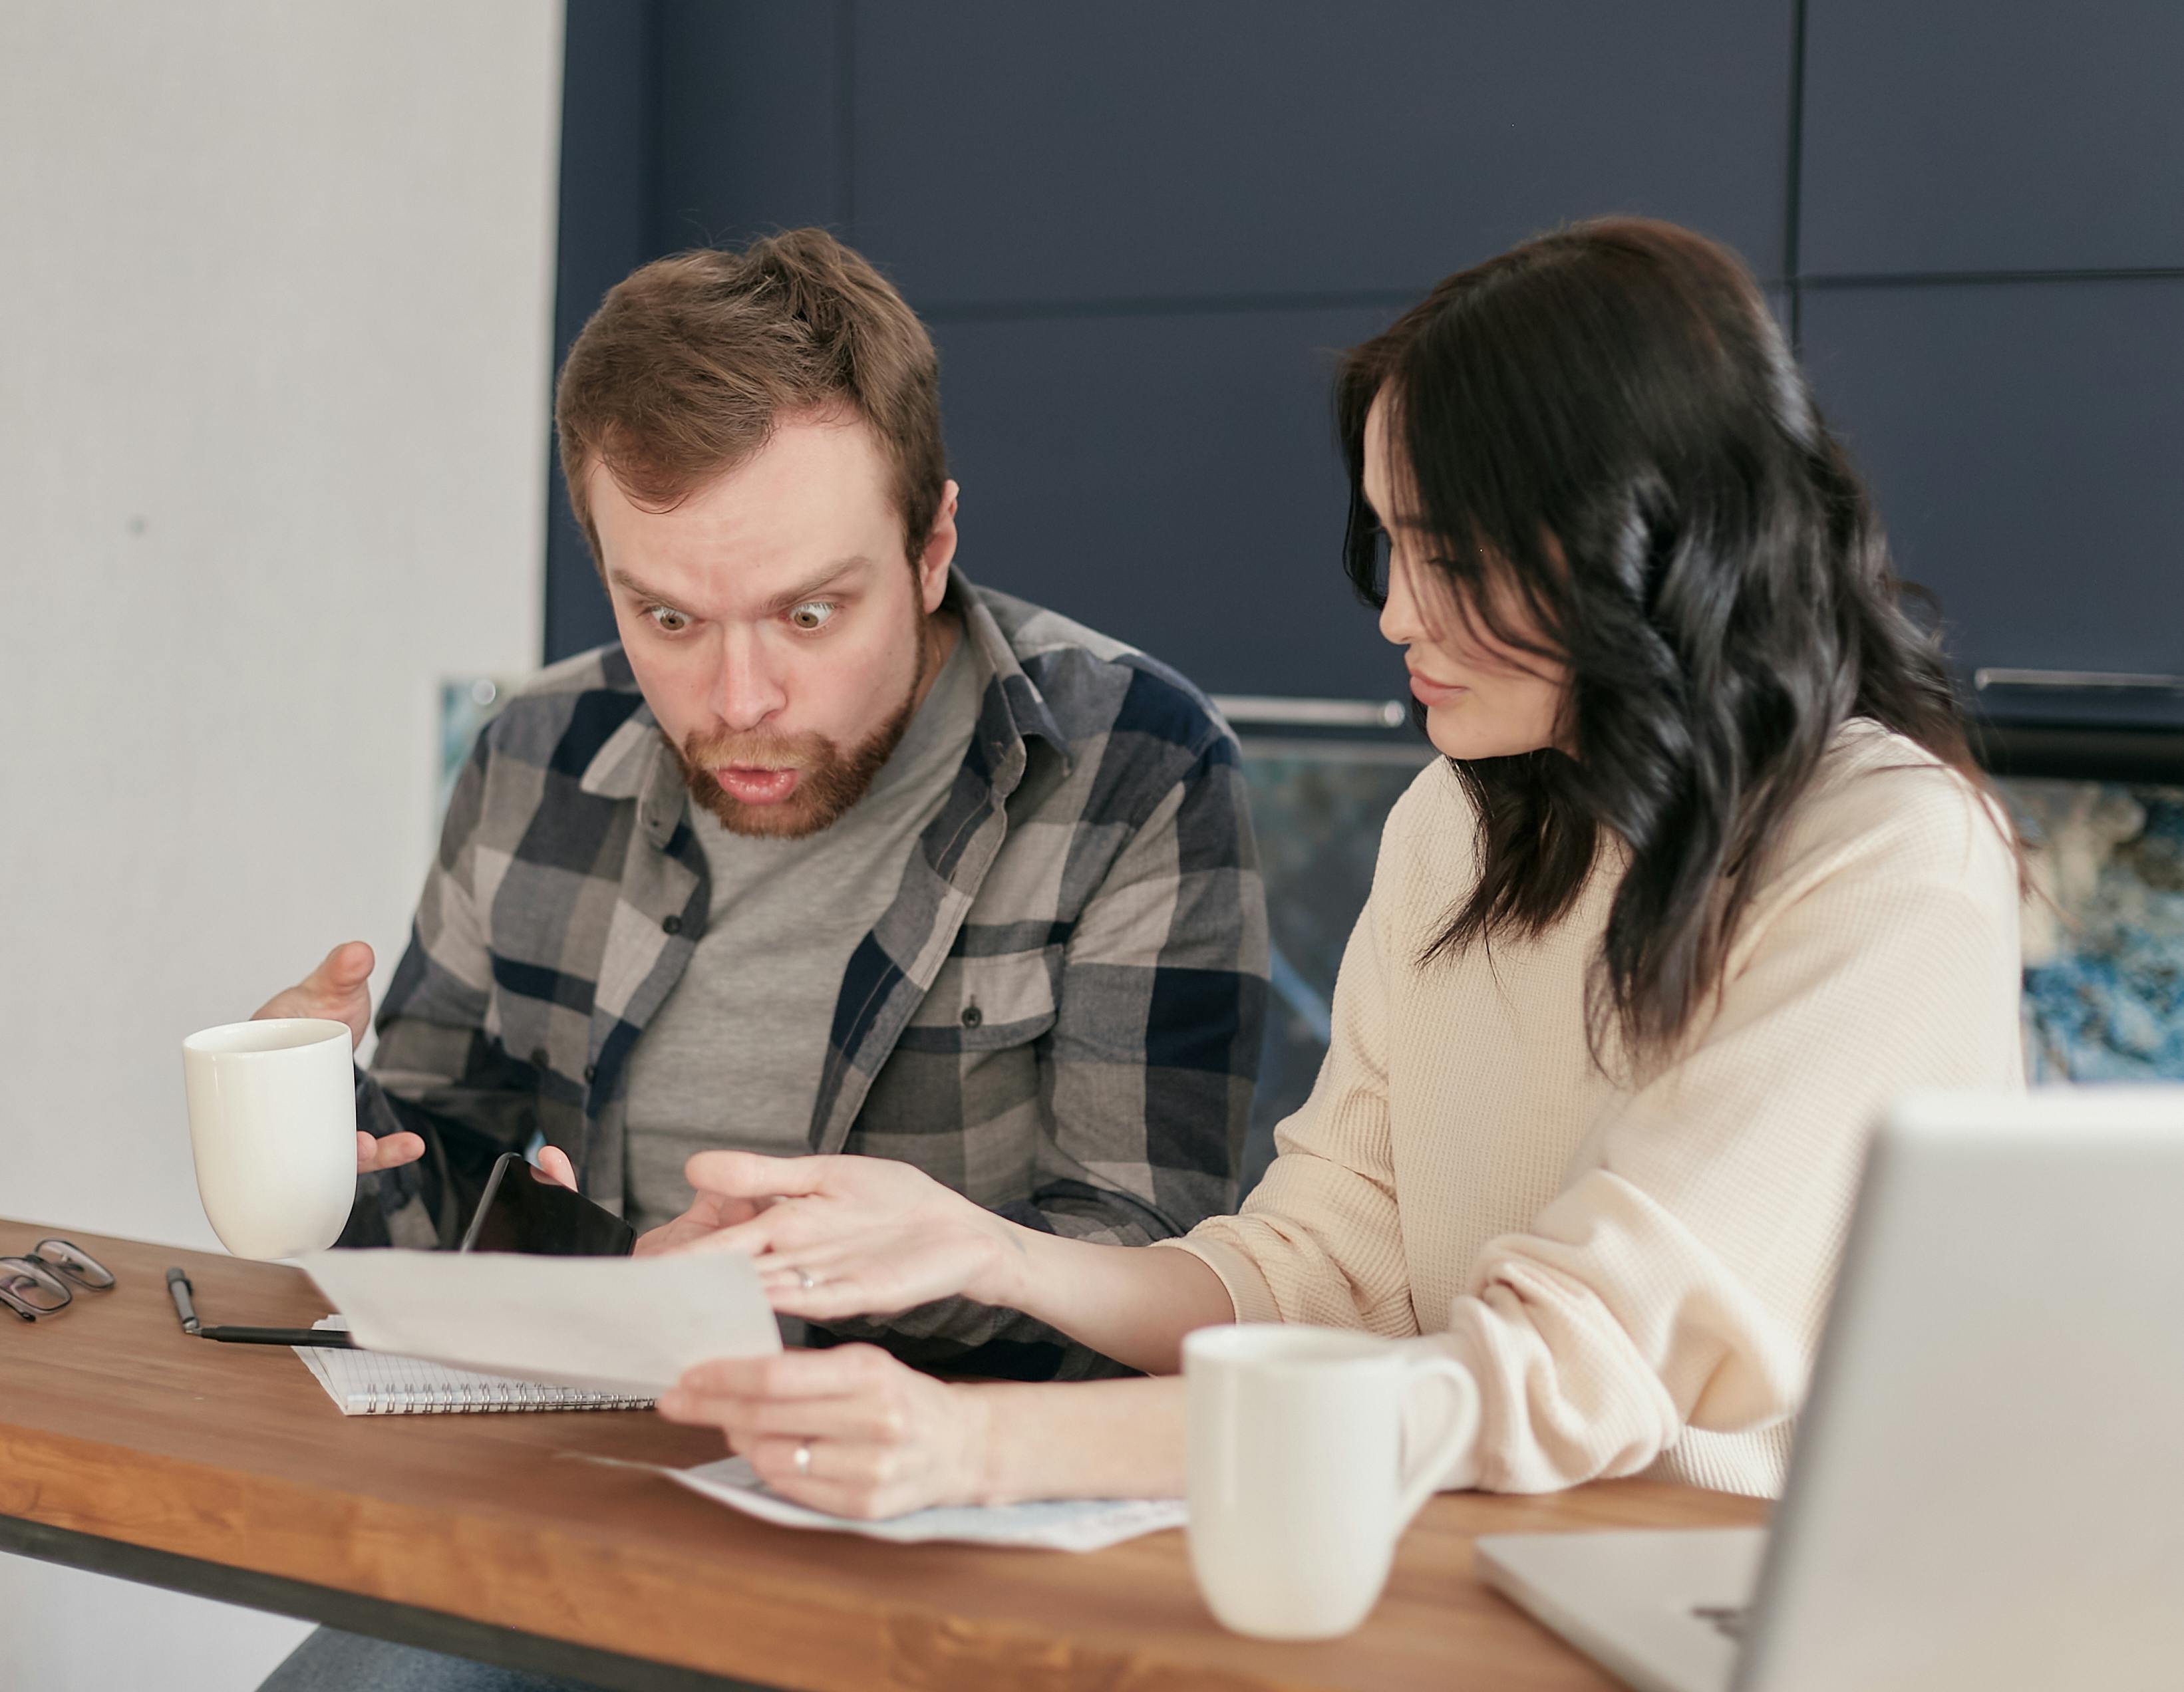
(1059, 1016)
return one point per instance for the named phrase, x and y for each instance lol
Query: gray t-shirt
(732, 1061)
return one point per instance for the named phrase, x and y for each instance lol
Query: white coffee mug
(1299, 1486)
(273, 1133)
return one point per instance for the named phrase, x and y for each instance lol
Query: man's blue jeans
(331, 1662)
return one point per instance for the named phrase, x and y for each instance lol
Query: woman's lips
(750, 786)
(1431, 693)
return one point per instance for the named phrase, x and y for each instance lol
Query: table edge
(353, 1612)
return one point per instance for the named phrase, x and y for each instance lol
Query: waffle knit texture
(1635, 1268)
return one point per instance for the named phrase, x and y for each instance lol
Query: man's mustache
(755, 751)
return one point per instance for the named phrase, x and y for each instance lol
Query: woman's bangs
(1498, 573)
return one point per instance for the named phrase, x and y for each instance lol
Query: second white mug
(1298, 1483)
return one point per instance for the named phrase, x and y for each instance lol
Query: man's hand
(338, 991)
(709, 1213)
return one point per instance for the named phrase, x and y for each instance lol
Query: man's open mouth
(750, 784)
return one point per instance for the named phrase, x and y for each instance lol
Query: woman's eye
(813, 613)
(669, 620)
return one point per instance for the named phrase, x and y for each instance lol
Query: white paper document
(633, 1324)
(1059, 1524)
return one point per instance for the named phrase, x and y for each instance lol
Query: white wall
(275, 339)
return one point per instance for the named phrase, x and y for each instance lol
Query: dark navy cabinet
(1954, 135)
(1141, 231)
(2026, 443)
(1173, 481)
(750, 134)
(1223, 149)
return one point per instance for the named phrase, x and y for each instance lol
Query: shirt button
(540, 1058)
(671, 925)
(591, 1069)
(973, 1016)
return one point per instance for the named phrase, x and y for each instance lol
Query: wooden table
(129, 1449)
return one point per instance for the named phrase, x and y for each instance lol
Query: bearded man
(832, 851)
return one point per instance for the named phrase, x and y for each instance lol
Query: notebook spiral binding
(373, 1384)
(434, 1397)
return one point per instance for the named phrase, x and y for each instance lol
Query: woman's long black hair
(1604, 432)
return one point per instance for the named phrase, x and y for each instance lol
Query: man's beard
(829, 781)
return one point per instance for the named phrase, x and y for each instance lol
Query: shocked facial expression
(1483, 697)
(777, 629)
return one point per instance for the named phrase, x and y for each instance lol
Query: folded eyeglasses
(42, 1282)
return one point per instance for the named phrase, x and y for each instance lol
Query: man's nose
(747, 690)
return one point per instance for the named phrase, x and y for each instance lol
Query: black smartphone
(526, 1210)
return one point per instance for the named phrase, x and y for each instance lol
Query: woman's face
(1482, 698)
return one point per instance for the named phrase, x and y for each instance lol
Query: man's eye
(669, 619)
(814, 613)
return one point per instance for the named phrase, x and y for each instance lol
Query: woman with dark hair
(1705, 878)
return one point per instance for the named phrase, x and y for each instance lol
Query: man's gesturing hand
(856, 1236)
(709, 1213)
(338, 991)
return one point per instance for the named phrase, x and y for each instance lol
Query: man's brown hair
(689, 363)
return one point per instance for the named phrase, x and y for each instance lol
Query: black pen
(178, 1287)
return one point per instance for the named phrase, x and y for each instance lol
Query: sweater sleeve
(1681, 1277)
(1318, 1239)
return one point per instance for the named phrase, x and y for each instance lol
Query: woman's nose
(1399, 620)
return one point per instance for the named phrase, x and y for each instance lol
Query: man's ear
(939, 550)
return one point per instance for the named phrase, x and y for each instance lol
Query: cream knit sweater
(1635, 1273)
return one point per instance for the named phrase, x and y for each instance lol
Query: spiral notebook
(376, 1383)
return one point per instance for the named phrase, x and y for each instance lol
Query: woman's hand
(848, 1430)
(837, 1236)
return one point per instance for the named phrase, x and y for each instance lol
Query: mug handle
(1425, 1474)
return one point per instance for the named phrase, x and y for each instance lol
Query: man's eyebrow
(781, 601)
(623, 579)
(817, 584)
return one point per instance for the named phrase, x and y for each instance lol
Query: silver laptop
(1988, 1486)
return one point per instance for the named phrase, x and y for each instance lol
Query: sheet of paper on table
(1061, 1524)
(632, 1324)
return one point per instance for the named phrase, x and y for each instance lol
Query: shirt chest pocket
(985, 1004)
